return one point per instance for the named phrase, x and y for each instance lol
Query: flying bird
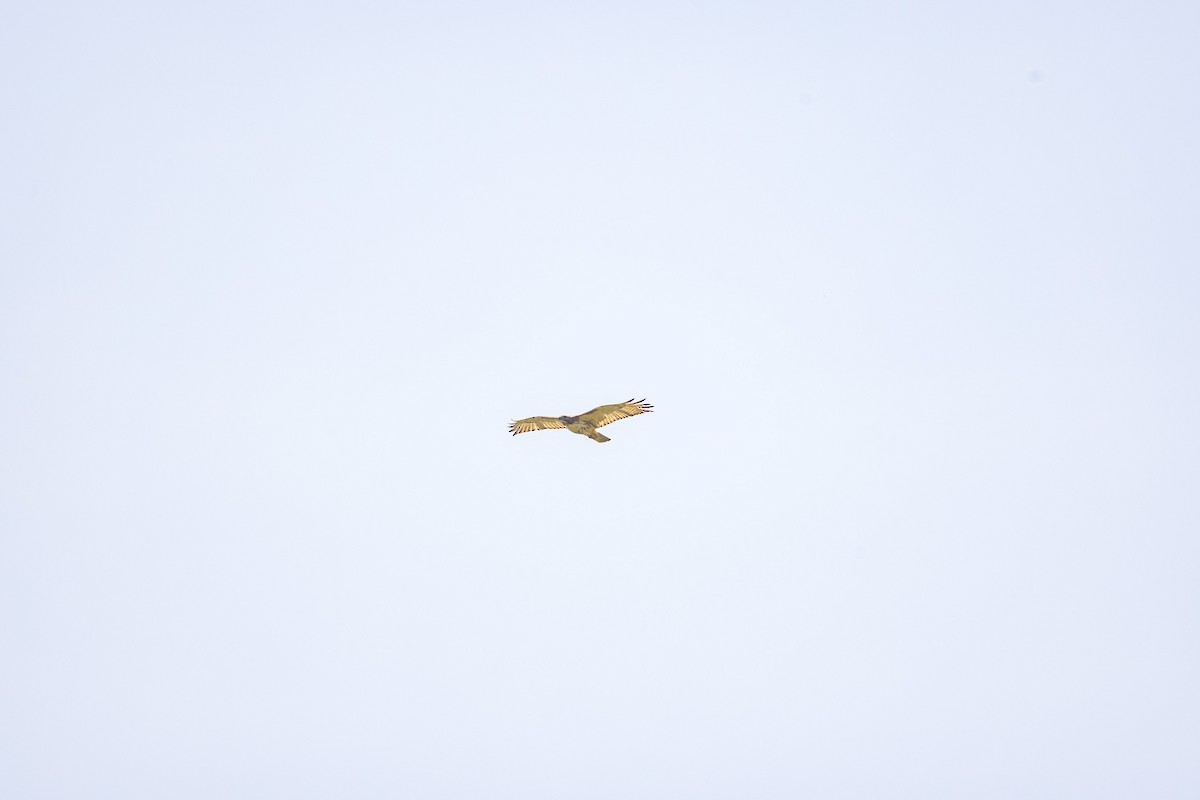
(585, 424)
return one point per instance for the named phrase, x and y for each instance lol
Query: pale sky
(913, 287)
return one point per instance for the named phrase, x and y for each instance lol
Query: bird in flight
(585, 424)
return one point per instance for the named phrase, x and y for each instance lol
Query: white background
(913, 288)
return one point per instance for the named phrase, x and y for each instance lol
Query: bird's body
(584, 424)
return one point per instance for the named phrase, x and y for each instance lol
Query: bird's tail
(598, 436)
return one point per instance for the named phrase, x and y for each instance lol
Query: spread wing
(535, 424)
(603, 415)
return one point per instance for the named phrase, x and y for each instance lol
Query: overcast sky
(913, 287)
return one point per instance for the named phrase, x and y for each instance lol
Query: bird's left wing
(535, 424)
(603, 415)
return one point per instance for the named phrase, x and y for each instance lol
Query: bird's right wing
(605, 415)
(535, 424)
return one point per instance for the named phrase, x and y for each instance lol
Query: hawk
(585, 424)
